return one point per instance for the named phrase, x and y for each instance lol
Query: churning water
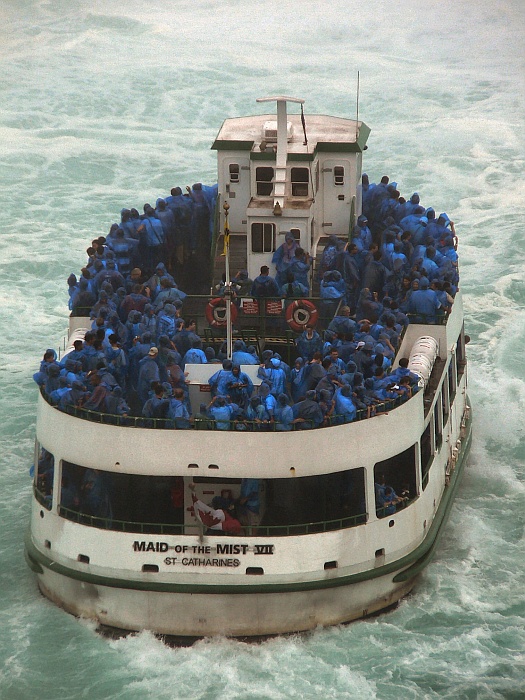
(107, 104)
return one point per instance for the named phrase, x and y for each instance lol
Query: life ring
(301, 314)
(216, 312)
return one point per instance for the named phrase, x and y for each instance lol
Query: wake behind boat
(282, 453)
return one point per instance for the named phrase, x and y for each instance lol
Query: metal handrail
(206, 423)
(196, 528)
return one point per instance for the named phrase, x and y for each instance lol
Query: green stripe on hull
(411, 564)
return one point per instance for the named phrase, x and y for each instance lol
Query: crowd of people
(400, 265)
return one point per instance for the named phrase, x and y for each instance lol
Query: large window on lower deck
(44, 475)
(162, 504)
(316, 503)
(395, 482)
(116, 501)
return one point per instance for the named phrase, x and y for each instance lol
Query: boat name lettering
(264, 549)
(159, 546)
(201, 561)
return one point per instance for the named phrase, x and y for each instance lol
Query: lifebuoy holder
(216, 312)
(301, 314)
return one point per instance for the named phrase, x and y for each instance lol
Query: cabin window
(317, 177)
(159, 504)
(234, 172)
(426, 455)
(445, 402)
(44, 474)
(300, 180)
(339, 175)
(314, 503)
(452, 379)
(438, 426)
(126, 502)
(296, 233)
(397, 474)
(263, 238)
(264, 181)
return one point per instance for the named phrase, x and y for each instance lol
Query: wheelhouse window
(339, 175)
(234, 172)
(44, 474)
(264, 181)
(300, 179)
(395, 482)
(263, 238)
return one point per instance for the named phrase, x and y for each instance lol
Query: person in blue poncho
(308, 343)
(424, 303)
(148, 373)
(241, 356)
(274, 375)
(300, 267)
(264, 285)
(249, 504)
(362, 237)
(240, 388)
(308, 413)
(283, 257)
(387, 499)
(152, 239)
(220, 380)
(283, 414)
(195, 355)
(178, 411)
(345, 409)
(222, 412)
(94, 495)
(292, 289)
(49, 360)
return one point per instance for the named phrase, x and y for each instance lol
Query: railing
(205, 423)
(197, 529)
(438, 319)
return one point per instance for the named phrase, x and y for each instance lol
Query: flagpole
(227, 286)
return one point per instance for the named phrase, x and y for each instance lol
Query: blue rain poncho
(283, 414)
(344, 406)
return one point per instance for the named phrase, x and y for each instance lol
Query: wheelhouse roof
(324, 133)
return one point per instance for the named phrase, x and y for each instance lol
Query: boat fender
(301, 314)
(216, 312)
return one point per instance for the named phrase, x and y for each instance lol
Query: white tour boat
(323, 550)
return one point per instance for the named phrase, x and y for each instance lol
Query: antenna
(357, 110)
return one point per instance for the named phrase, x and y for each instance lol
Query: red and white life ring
(301, 314)
(216, 312)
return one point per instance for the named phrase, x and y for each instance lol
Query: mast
(282, 146)
(227, 284)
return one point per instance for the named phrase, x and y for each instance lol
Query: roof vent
(269, 131)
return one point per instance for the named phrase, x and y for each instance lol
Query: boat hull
(262, 610)
(238, 615)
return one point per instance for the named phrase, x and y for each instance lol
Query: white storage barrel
(422, 357)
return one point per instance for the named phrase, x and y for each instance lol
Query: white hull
(200, 615)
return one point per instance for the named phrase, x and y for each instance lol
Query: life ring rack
(301, 314)
(216, 312)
